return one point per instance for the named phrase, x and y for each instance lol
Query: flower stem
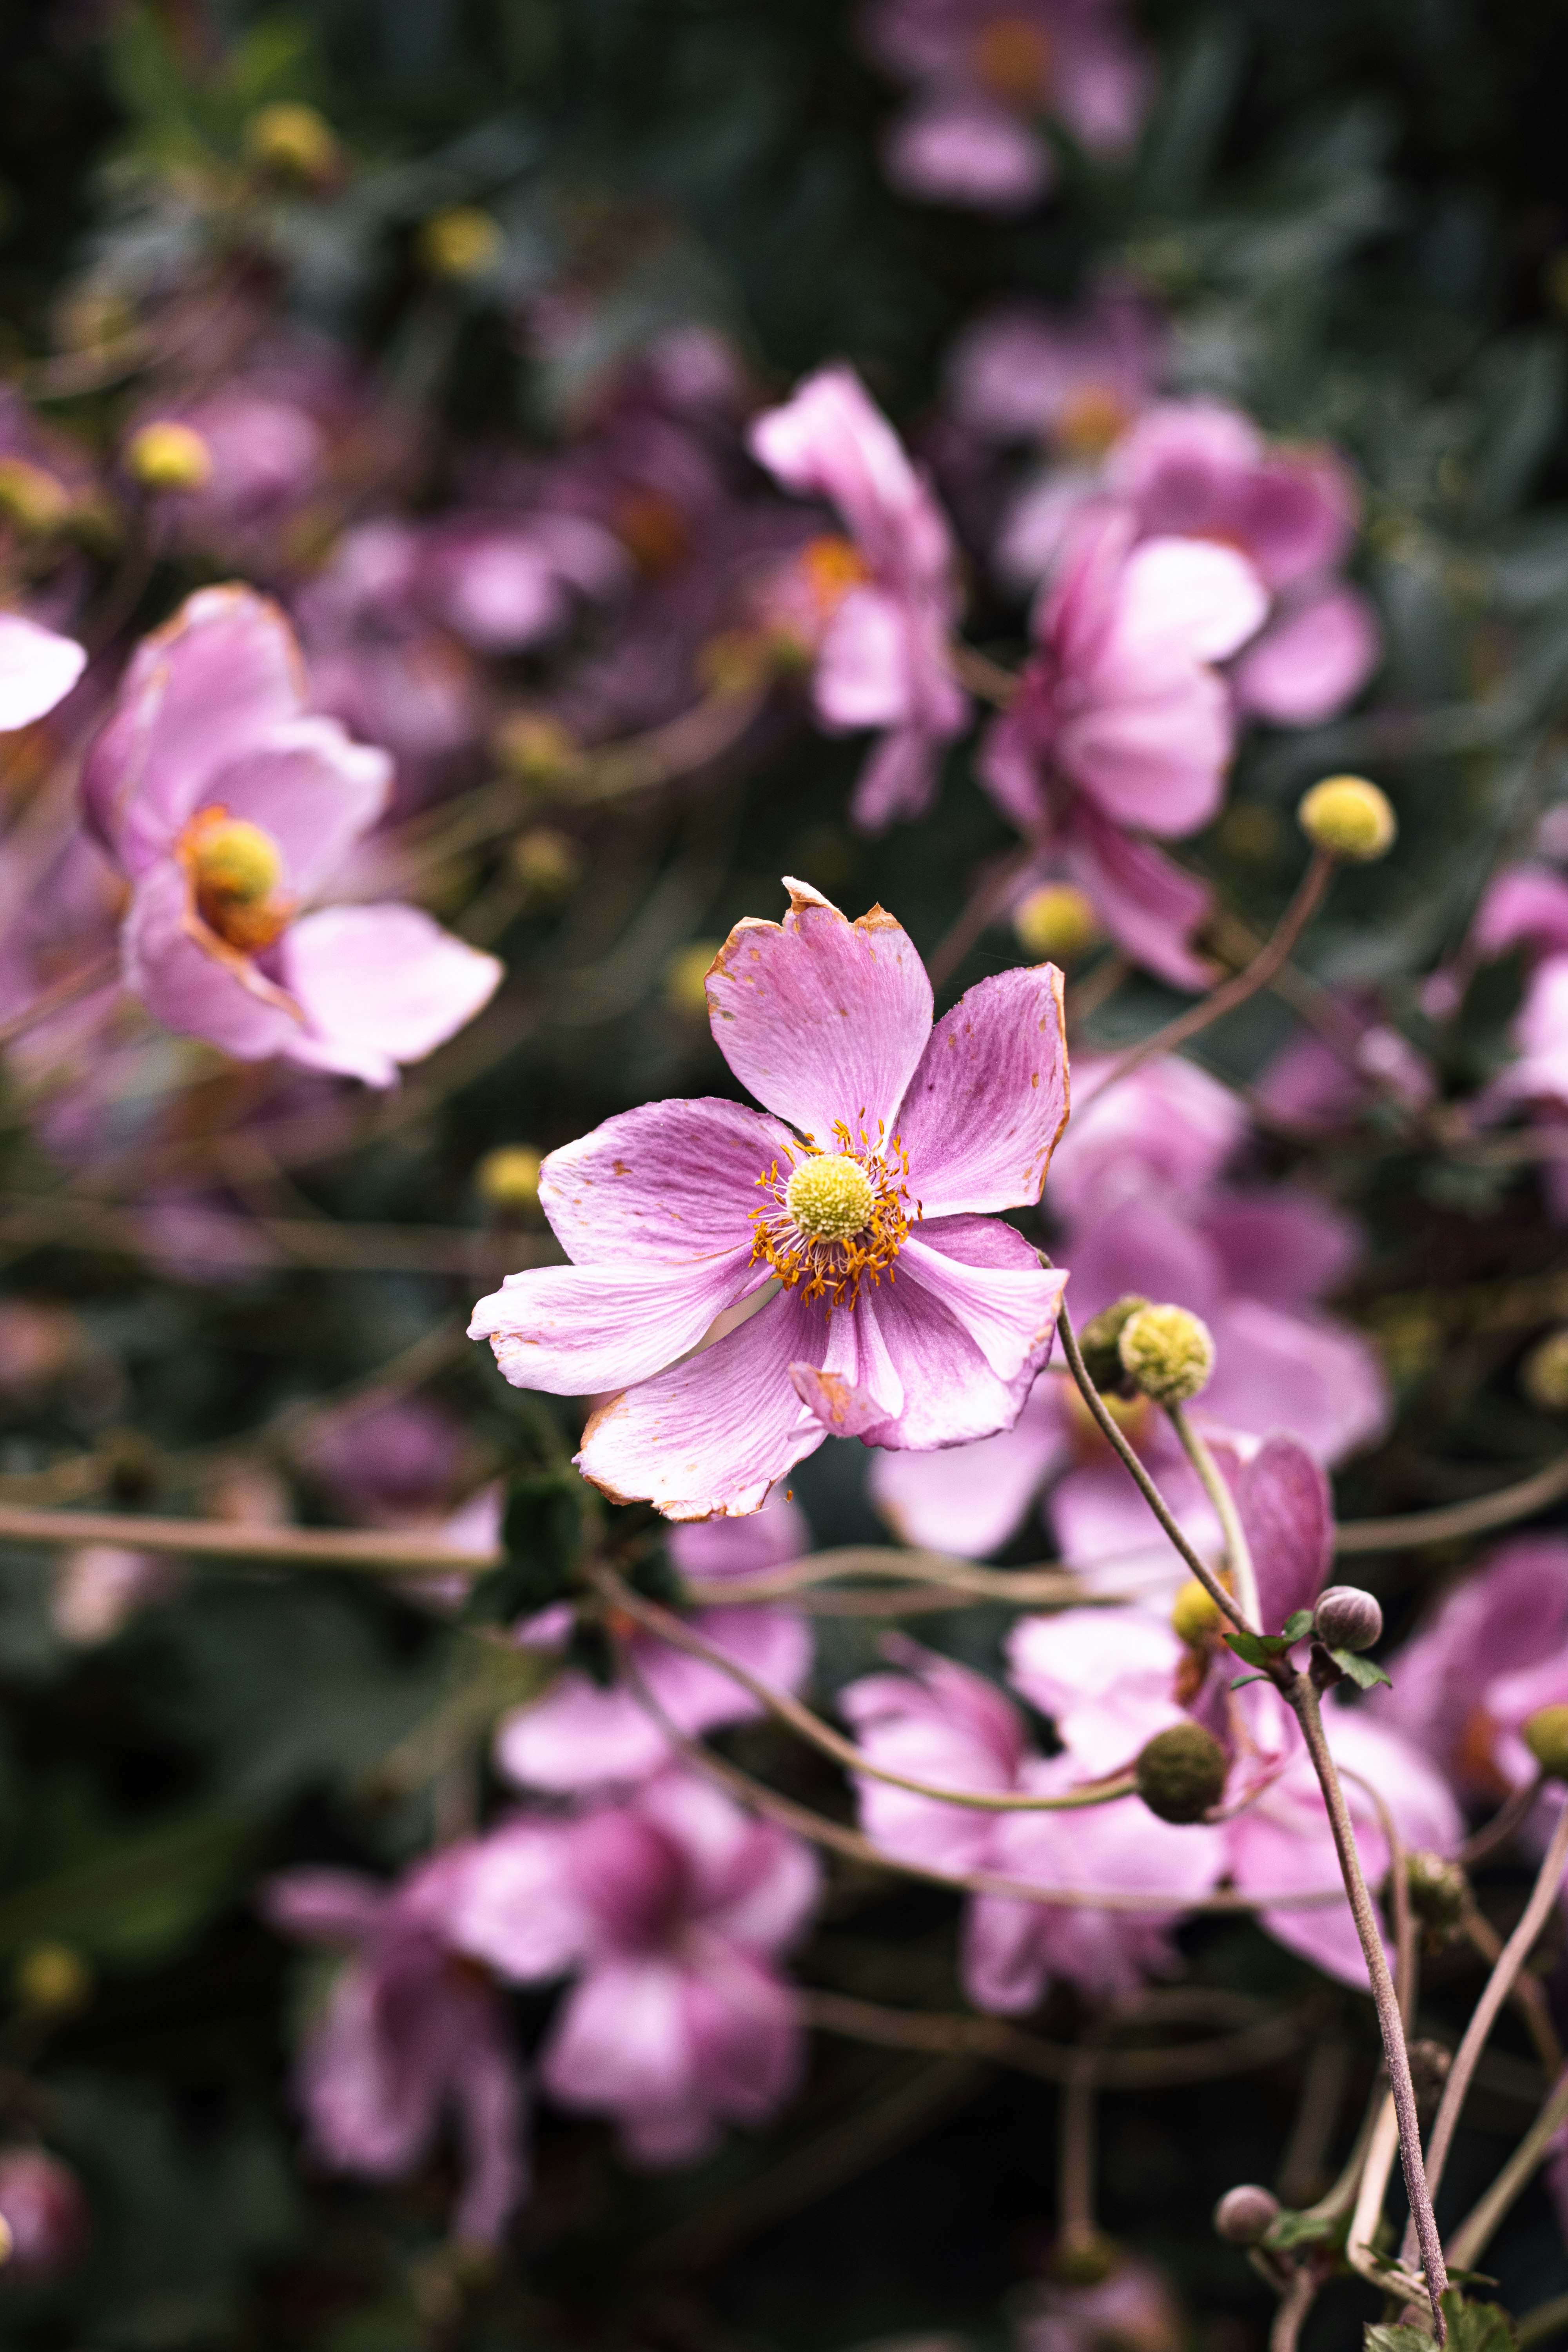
(1471, 2237)
(1303, 1698)
(1238, 1552)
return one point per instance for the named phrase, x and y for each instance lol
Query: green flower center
(830, 1197)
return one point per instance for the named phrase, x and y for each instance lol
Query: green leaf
(1307, 2230)
(1472, 2327)
(1259, 1649)
(542, 1535)
(1298, 1626)
(1362, 1670)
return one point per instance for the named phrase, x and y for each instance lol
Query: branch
(1471, 2237)
(1496, 1510)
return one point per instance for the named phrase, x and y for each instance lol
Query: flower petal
(985, 1106)
(576, 1331)
(380, 985)
(312, 789)
(669, 1181)
(823, 1019)
(997, 1290)
(968, 1499)
(37, 669)
(710, 1437)
(187, 989)
(1310, 662)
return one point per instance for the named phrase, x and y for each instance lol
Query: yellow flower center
(830, 1197)
(234, 869)
(1013, 58)
(1090, 421)
(838, 1219)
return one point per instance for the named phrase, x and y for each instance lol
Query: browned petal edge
(1059, 996)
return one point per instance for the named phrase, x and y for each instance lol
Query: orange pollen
(833, 1270)
(1013, 58)
(1090, 421)
(832, 566)
(234, 869)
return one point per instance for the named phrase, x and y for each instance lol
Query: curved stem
(1474, 2233)
(1295, 2303)
(1502, 1824)
(1534, 2326)
(1303, 1698)
(1399, 1885)
(1528, 1994)
(943, 1569)
(1494, 1510)
(1238, 1552)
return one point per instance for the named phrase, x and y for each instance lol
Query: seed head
(1195, 1614)
(1055, 921)
(1100, 1337)
(293, 141)
(462, 243)
(168, 455)
(1348, 819)
(1439, 1891)
(1181, 1772)
(546, 862)
(1546, 1733)
(1083, 2261)
(1167, 1352)
(1346, 1618)
(830, 1197)
(1244, 2215)
(1545, 1374)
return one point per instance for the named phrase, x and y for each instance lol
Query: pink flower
(884, 658)
(983, 75)
(1075, 378)
(580, 1737)
(903, 1317)
(231, 808)
(1133, 2309)
(37, 669)
(671, 1910)
(411, 2032)
(42, 2206)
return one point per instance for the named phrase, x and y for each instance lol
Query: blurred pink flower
(579, 1735)
(884, 659)
(1133, 2309)
(984, 75)
(42, 2205)
(231, 806)
(1076, 379)
(412, 2033)
(678, 1211)
(99, 1588)
(37, 669)
(671, 1910)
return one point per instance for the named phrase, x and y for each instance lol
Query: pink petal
(37, 669)
(1182, 601)
(669, 1181)
(1170, 1118)
(948, 1727)
(997, 1290)
(899, 779)
(823, 1019)
(964, 151)
(1139, 1244)
(1152, 909)
(576, 1331)
(1106, 1677)
(844, 1408)
(1287, 1513)
(722, 1548)
(1526, 905)
(1286, 1245)
(831, 441)
(1107, 1537)
(623, 2039)
(989, 1099)
(1311, 661)
(951, 1392)
(311, 789)
(517, 1905)
(1153, 750)
(748, 1880)
(1317, 1379)
(186, 988)
(712, 1435)
(328, 1907)
(968, 1499)
(578, 1737)
(381, 985)
(863, 668)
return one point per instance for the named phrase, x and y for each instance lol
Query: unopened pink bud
(1244, 2215)
(1346, 1618)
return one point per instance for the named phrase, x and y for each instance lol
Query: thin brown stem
(1295, 2304)
(1474, 2233)
(376, 1551)
(1304, 2163)
(1270, 958)
(1302, 1697)
(1508, 1818)
(1495, 1510)
(1399, 1889)
(1075, 2151)
(1025, 1586)
(984, 904)
(1528, 1995)
(986, 679)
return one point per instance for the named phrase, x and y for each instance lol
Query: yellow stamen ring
(830, 1197)
(839, 1218)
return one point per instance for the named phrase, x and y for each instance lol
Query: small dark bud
(1439, 1891)
(1546, 1733)
(1244, 2216)
(1429, 2064)
(1098, 1341)
(1181, 1773)
(1083, 2261)
(1346, 1618)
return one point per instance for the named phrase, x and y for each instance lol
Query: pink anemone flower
(411, 2031)
(902, 1316)
(671, 1911)
(37, 669)
(578, 1737)
(232, 809)
(884, 659)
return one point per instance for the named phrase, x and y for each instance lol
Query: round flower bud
(31, 499)
(293, 141)
(1181, 1772)
(1346, 1618)
(508, 1178)
(1167, 1352)
(1083, 2259)
(52, 1978)
(536, 747)
(545, 862)
(1348, 818)
(461, 242)
(1098, 1341)
(44, 2213)
(1439, 1891)
(686, 977)
(1546, 1733)
(168, 455)
(1055, 921)
(1244, 2215)
(1545, 1374)
(1195, 1614)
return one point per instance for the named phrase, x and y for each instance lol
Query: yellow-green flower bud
(1055, 922)
(1100, 1338)
(1546, 1733)
(508, 1178)
(167, 456)
(1168, 1353)
(1195, 1614)
(30, 498)
(1439, 1891)
(1348, 818)
(52, 1978)
(546, 862)
(686, 977)
(1181, 1772)
(463, 242)
(536, 747)
(1545, 1374)
(1084, 2259)
(293, 141)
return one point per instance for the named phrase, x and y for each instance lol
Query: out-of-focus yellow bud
(52, 1978)
(168, 455)
(1546, 1733)
(536, 747)
(463, 242)
(293, 141)
(508, 1178)
(31, 499)
(545, 861)
(686, 976)
(1545, 1373)
(736, 661)
(1195, 1614)
(1055, 921)
(1349, 818)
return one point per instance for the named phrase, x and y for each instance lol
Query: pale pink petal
(964, 151)
(713, 1435)
(863, 668)
(968, 1499)
(844, 1407)
(1139, 1244)
(187, 989)
(823, 1019)
(576, 1331)
(381, 985)
(487, 2091)
(1286, 1245)
(1005, 1301)
(623, 2037)
(37, 669)
(1526, 905)
(516, 1904)
(1170, 1116)
(771, 1643)
(1277, 1371)
(1107, 1537)
(944, 1725)
(749, 1880)
(327, 1906)
(1311, 661)
(899, 779)
(830, 440)
(1152, 909)
(938, 1348)
(311, 789)
(989, 1100)
(1106, 1677)
(724, 1548)
(1185, 600)
(578, 1737)
(668, 1182)
(1153, 750)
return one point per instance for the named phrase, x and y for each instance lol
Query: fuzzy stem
(1238, 1552)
